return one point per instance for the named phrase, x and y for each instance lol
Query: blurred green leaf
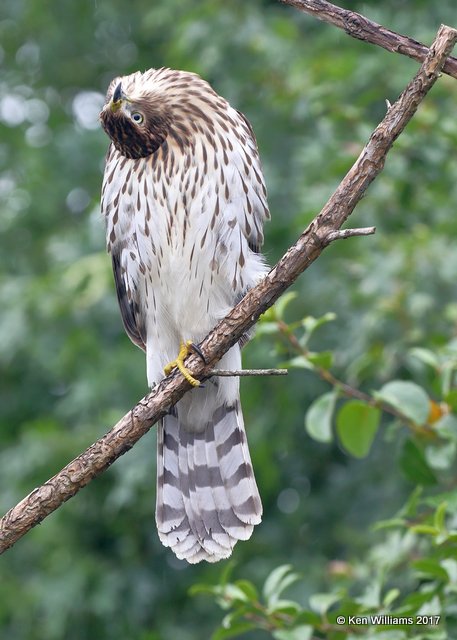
(266, 328)
(390, 597)
(427, 567)
(426, 356)
(303, 632)
(283, 302)
(356, 425)
(441, 456)
(300, 362)
(321, 602)
(323, 359)
(425, 529)
(278, 580)
(311, 324)
(248, 589)
(233, 630)
(318, 418)
(409, 398)
(439, 519)
(451, 399)
(414, 464)
(285, 607)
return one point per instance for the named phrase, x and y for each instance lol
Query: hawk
(184, 202)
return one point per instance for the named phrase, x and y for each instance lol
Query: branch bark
(224, 373)
(359, 27)
(79, 472)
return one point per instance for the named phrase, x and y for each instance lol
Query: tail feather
(236, 470)
(207, 497)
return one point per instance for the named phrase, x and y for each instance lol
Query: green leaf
(441, 456)
(248, 589)
(197, 589)
(446, 427)
(371, 596)
(234, 593)
(278, 580)
(391, 523)
(318, 418)
(450, 566)
(356, 425)
(266, 328)
(439, 519)
(426, 529)
(321, 602)
(390, 597)
(309, 617)
(286, 607)
(409, 510)
(431, 608)
(414, 465)
(300, 362)
(409, 398)
(321, 359)
(311, 324)
(451, 399)
(428, 567)
(426, 356)
(303, 632)
(283, 302)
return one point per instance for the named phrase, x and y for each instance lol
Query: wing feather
(127, 303)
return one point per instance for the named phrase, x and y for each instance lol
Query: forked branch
(322, 230)
(359, 27)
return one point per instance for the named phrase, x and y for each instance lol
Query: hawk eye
(137, 117)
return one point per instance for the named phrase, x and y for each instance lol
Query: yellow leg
(185, 348)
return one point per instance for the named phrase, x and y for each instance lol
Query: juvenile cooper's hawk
(185, 202)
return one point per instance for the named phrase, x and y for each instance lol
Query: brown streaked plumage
(185, 202)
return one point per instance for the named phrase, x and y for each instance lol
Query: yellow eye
(137, 117)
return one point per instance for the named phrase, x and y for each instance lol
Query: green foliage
(372, 314)
(406, 587)
(357, 424)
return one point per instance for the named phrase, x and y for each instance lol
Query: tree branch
(224, 373)
(342, 234)
(79, 472)
(359, 27)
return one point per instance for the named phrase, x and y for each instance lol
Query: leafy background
(95, 568)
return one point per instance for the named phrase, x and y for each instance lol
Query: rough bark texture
(359, 27)
(323, 229)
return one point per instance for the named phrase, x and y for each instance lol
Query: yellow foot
(185, 348)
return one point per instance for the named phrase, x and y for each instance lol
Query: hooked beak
(118, 98)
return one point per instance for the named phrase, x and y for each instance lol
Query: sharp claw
(197, 350)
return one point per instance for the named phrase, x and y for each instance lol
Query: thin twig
(361, 28)
(342, 234)
(346, 389)
(247, 372)
(100, 455)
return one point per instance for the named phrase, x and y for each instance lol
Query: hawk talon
(196, 350)
(185, 349)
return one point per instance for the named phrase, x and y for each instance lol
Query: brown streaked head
(137, 126)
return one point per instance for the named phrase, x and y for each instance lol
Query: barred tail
(207, 497)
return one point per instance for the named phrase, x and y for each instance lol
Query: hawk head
(134, 116)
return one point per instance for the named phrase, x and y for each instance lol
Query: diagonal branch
(361, 28)
(322, 230)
